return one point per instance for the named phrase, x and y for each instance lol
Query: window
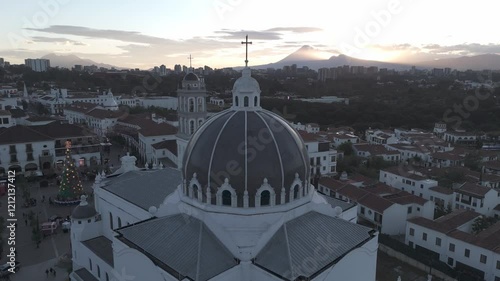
(195, 191)
(418, 209)
(107, 277)
(451, 247)
(467, 253)
(412, 231)
(255, 101)
(245, 101)
(13, 158)
(265, 198)
(450, 261)
(482, 259)
(421, 186)
(438, 241)
(236, 100)
(498, 264)
(296, 192)
(409, 210)
(90, 264)
(119, 222)
(226, 198)
(98, 271)
(363, 210)
(110, 220)
(424, 236)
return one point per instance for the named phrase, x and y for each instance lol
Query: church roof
(182, 245)
(101, 247)
(298, 241)
(144, 188)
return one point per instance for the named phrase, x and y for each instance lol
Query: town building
(366, 150)
(38, 65)
(407, 180)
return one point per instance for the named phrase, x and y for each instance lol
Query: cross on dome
(190, 59)
(246, 49)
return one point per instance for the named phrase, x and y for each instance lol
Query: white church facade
(241, 207)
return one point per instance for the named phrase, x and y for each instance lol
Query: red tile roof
(375, 203)
(442, 190)
(170, 145)
(447, 223)
(473, 190)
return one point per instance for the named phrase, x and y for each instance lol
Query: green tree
(473, 160)
(346, 147)
(71, 186)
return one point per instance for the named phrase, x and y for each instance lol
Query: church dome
(245, 154)
(83, 211)
(191, 77)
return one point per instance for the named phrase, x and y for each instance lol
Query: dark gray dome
(191, 77)
(246, 146)
(83, 212)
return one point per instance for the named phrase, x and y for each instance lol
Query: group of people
(51, 271)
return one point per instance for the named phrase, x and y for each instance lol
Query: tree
(346, 147)
(71, 186)
(482, 223)
(473, 161)
(36, 233)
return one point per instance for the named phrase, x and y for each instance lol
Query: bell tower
(192, 109)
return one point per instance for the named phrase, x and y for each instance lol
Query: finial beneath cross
(190, 58)
(246, 50)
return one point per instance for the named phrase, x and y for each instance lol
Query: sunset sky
(146, 33)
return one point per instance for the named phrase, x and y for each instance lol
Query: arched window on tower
(110, 220)
(191, 104)
(255, 101)
(200, 121)
(195, 191)
(200, 104)
(265, 198)
(119, 222)
(236, 101)
(296, 191)
(226, 198)
(191, 127)
(245, 101)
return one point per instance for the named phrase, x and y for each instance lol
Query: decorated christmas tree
(71, 186)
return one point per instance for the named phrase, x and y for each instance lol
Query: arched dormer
(296, 189)
(194, 189)
(246, 92)
(265, 195)
(223, 195)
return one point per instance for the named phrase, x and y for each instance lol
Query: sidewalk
(37, 272)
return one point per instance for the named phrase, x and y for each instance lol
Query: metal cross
(190, 58)
(246, 49)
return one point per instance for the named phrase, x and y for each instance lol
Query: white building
(99, 119)
(38, 65)
(312, 128)
(460, 137)
(386, 209)
(408, 181)
(477, 198)
(41, 148)
(338, 139)
(213, 221)
(380, 136)
(376, 150)
(322, 159)
(450, 239)
(6, 119)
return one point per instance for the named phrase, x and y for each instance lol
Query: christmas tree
(71, 186)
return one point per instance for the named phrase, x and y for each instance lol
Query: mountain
(69, 61)
(311, 57)
(479, 62)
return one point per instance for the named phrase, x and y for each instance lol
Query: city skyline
(167, 32)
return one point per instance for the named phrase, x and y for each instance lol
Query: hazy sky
(152, 32)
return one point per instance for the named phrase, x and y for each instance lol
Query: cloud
(295, 29)
(41, 39)
(395, 47)
(463, 49)
(253, 35)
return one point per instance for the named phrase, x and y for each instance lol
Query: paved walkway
(37, 272)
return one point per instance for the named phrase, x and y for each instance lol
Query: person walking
(47, 273)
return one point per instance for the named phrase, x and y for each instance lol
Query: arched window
(245, 101)
(296, 191)
(195, 191)
(236, 101)
(98, 271)
(191, 127)
(226, 198)
(265, 198)
(90, 264)
(110, 220)
(191, 104)
(255, 101)
(119, 222)
(200, 122)
(107, 277)
(200, 104)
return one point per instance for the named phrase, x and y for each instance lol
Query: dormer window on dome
(246, 92)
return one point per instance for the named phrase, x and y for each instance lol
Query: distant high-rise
(38, 65)
(78, 67)
(177, 68)
(184, 69)
(1, 62)
(163, 70)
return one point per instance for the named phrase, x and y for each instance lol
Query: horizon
(168, 32)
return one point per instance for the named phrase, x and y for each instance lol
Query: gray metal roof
(337, 202)
(85, 275)
(307, 245)
(102, 247)
(257, 144)
(182, 244)
(144, 188)
(83, 212)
